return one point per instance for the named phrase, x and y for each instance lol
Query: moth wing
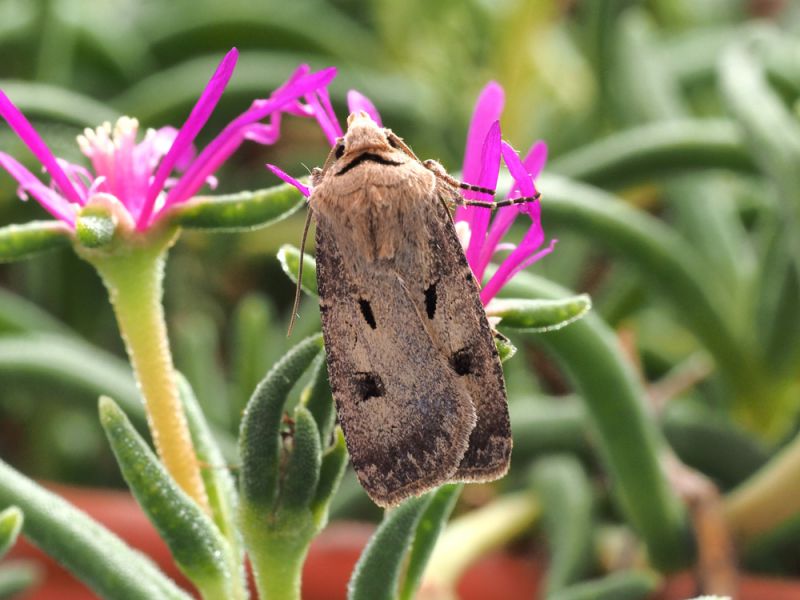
(459, 327)
(406, 419)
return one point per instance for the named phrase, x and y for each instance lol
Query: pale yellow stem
(133, 274)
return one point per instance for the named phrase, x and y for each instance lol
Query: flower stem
(133, 273)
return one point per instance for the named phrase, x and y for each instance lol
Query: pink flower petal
(490, 168)
(194, 123)
(522, 179)
(327, 122)
(290, 180)
(224, 144)
(50, 200)
(28, 135)
(488, 109)
(357, 101)
(516, 261)
(533, 164)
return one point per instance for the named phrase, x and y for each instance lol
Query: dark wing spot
(339, 153)
(430, 300)
(369, 385)
(462, 362)
(366, 310)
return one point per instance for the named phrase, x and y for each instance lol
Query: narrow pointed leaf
(10, 525)
(539, 315)
(235, 212)
(289, 257)
(18, 242)
(566, 498)
(196, 544)
(95, 555)
(377, 573)
(259, 439)
(334, 461)
(301, 473)
(429, 528)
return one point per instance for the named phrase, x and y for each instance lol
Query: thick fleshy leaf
(289, 257)
(564, 491)
(18, 242)
(318, 400)
(334, 461)
(10, 525)
(622, 585)
(95, 555)
(589, 350)
(196, 544)
(301, 472)
(429, 528)
(376, 575)
(280, 512)
(539, 315)
(16, 576)
(237, 212)
(260, 431)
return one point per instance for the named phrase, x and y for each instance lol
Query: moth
(412, 362)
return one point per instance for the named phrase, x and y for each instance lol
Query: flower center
(122, 167)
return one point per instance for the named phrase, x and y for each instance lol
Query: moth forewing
(413, 367)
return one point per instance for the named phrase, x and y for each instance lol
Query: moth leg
(501, 203)
(439, 171)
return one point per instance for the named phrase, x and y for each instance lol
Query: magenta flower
(481, 168)
(140, 175)
(481, 231)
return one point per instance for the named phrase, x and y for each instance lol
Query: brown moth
(412, 362)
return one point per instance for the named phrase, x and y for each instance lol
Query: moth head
(366, 142)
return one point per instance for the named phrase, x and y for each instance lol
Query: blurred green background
(569, 69)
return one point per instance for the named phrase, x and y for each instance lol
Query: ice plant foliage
(480, 230)
(150, 175)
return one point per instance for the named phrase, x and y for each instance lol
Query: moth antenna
(298, 290)
(439, 171)
(502, 203)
